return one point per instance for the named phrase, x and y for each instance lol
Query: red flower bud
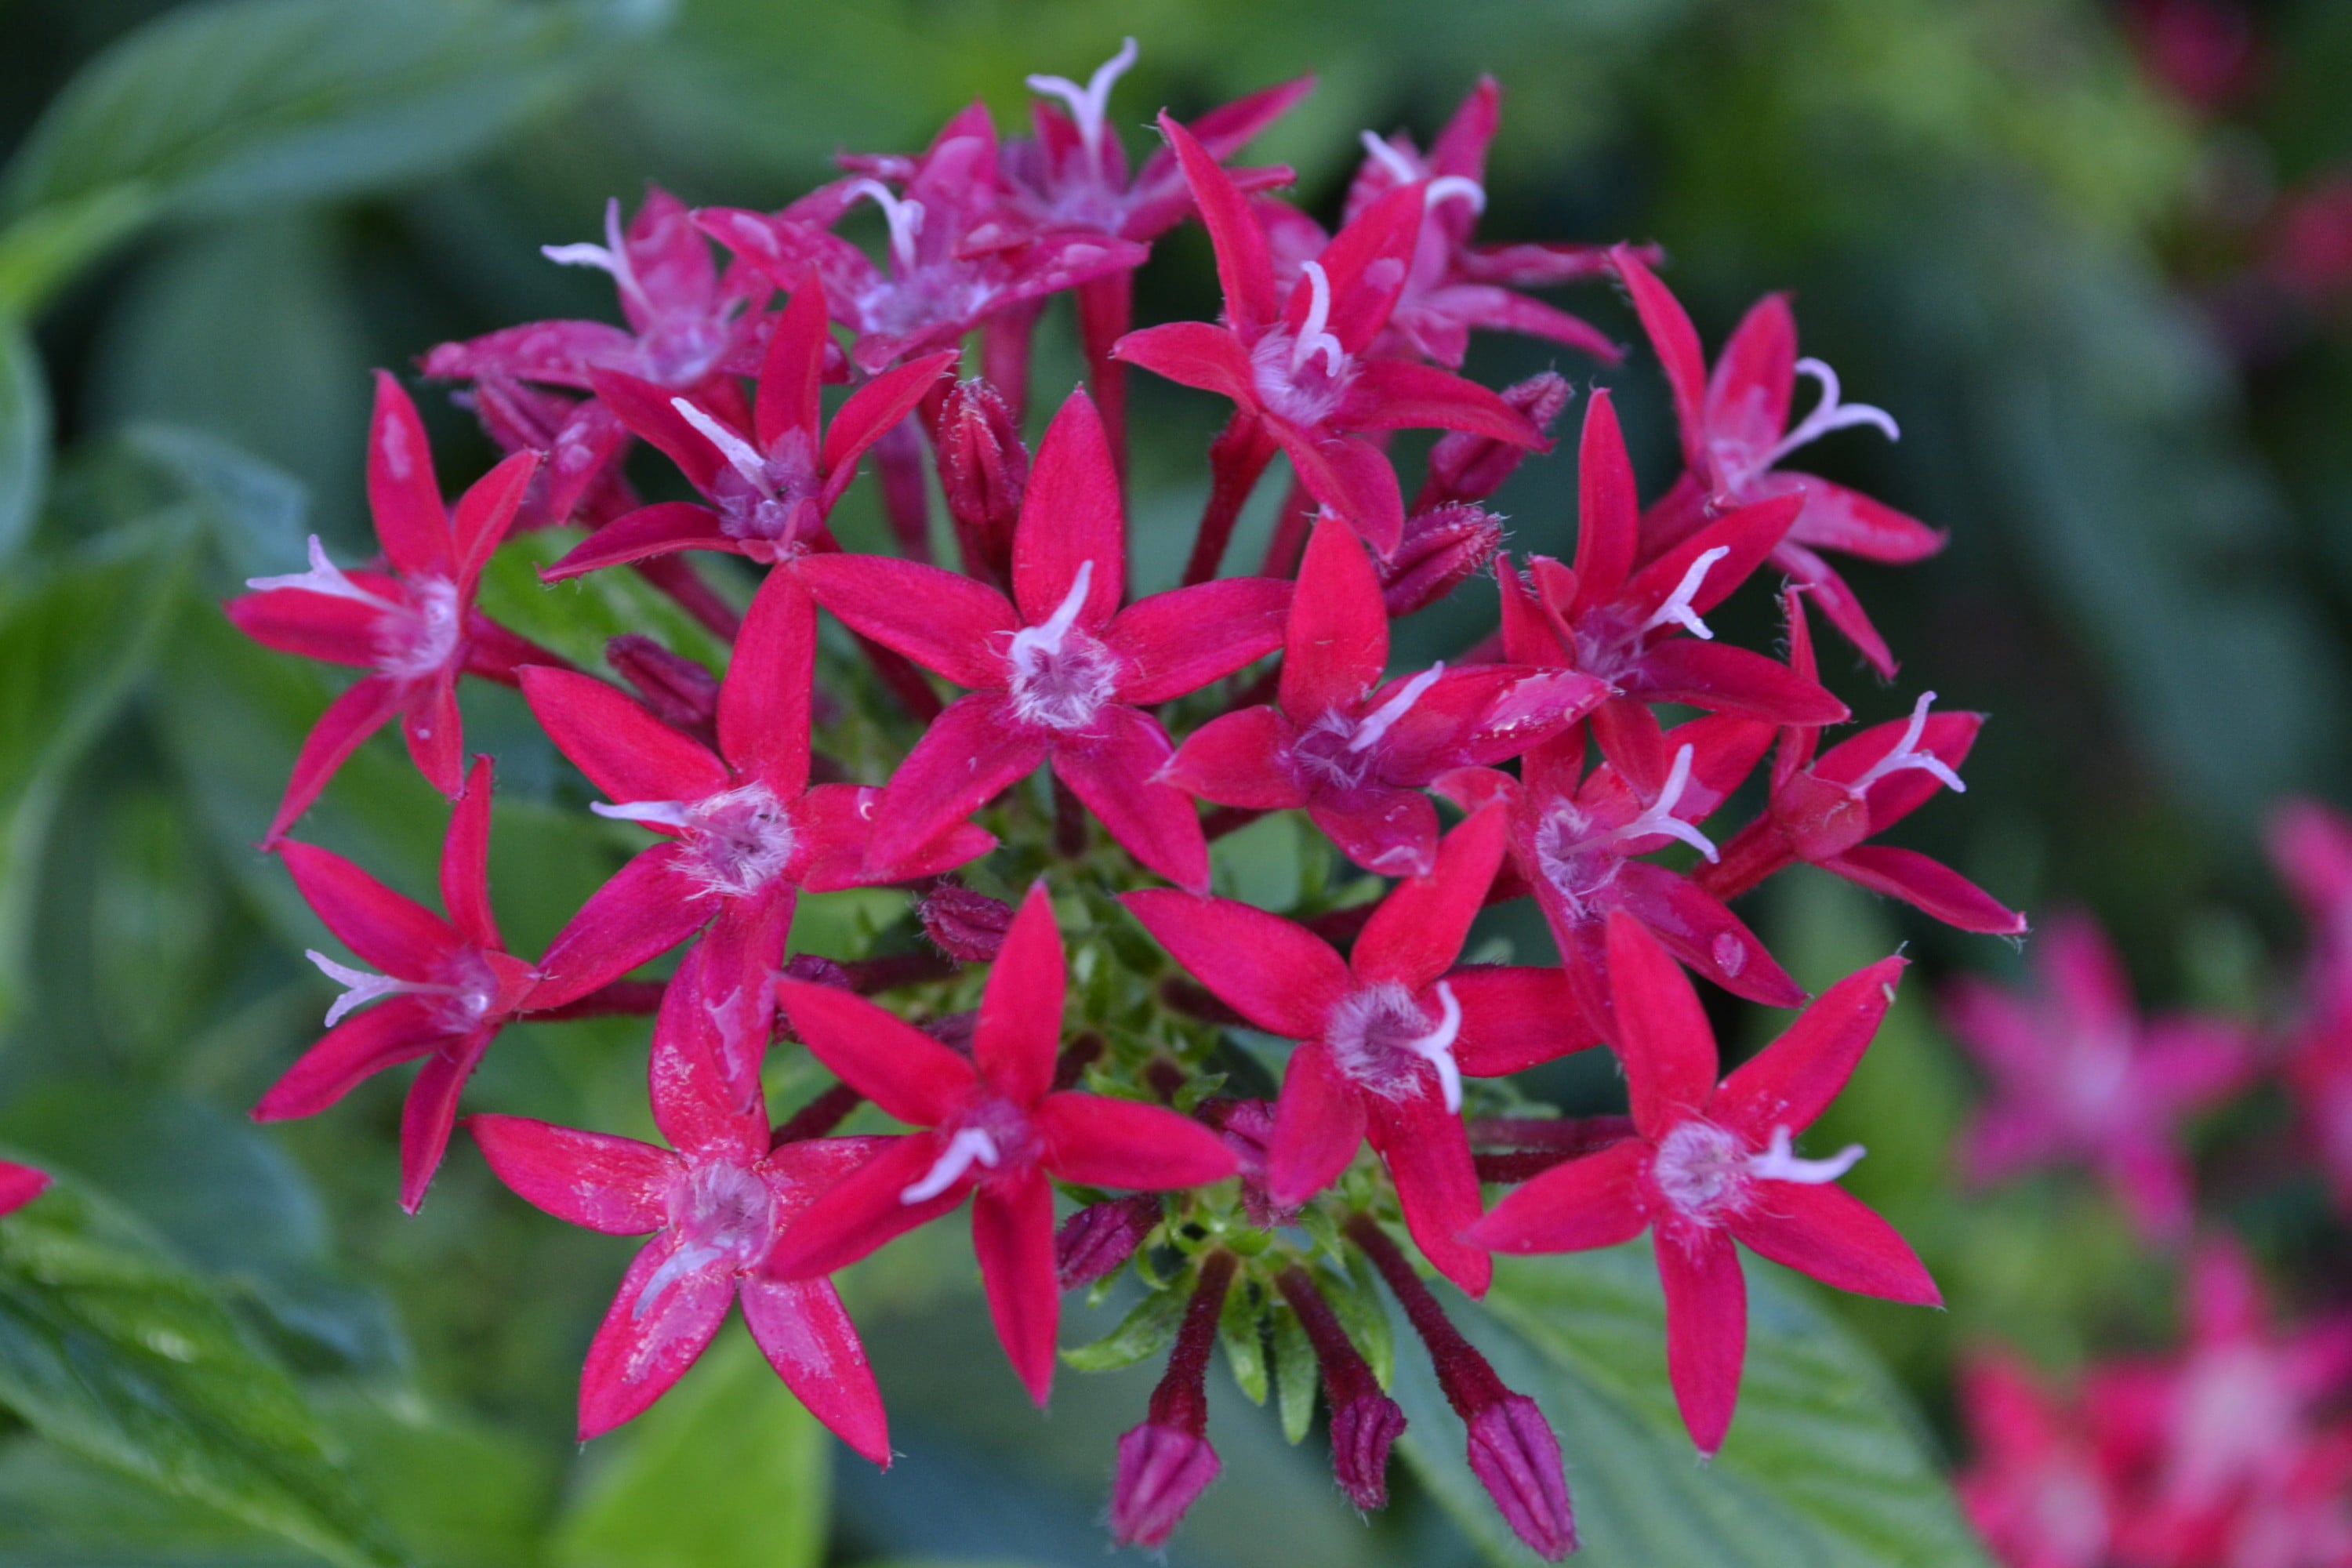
(1441, 547)
(984, 470)
(1167, 1462)
(1516, 1456)
(968, 927)
(1094, 1242)
(682, 694)
(1466, 467)
(1364, 1421)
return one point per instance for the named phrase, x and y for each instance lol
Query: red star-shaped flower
(996, 1129)
(1712, 1164)
(715, 1203)
(1059, 673)
(1386, 1036)
(2038, 1491)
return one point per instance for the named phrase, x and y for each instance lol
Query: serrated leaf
(24, 434)
(117, 1355)
(1239, 1332)
(727, 1471)
(1149, 1328)
(1296, 1374)
(1825, 1467)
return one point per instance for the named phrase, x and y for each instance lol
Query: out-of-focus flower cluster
(1068, 1039)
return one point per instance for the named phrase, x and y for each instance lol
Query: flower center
(1702, 1168)
(1740, 465)
(772, 497)
(1059, 675)
(737, 841)
(1381, 1037)
(418, 638)
(993, 1135)
(464, 989)
(721, 1214)
(1303, 375)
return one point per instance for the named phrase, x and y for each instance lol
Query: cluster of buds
(1233, 1188)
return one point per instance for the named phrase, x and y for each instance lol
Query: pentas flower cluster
(1259, 1110)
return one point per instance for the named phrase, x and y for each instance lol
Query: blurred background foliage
(1996, 221)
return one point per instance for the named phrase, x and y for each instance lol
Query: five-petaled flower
(715, 1203)
(451, 985)
(2039, 1491)
(2078, 1077)
(1058, 673)
(1386, 1035)
(414, 629)
(1353, 752)
(1712, 1164)
(995, 1129)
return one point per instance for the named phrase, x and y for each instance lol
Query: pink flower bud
(816, 970)
(1094, 1242)
(1160, 1470)
(1441, 547)
(1361, 1431)
(984, 471)
(1465, 467)
(682, 694)
(968, 927)
(1516, 1457)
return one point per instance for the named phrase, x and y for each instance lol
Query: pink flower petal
(639, 535)
(362, 708)
(648, 1338)
(1398, 394)
(1827, 1232)
(1318, 1124)
(394, 933)
(1755, 375)
(1608, 508)
(1278, 976)
(1697, 929)
(939, 618)
(435, 733)
(1116, 772)
(430, 1112)
(483, 513)
(20, 1185)
(791, 376)
(863, 1211)
(1070, 516)
(1391, 832)
(889, 1061)
(1664, 1039)
(805, 1333)
(1929, 884)
(652, 416)
(1418, 930)
(1019, 1032)
(1727, 679)
(353, 1051)
(1174, 643)
(970, 752)
(1706, 1328)
(403, 495)
(465, 862)
(703, 1100)
(647, 907)
(1012, 1234)
(1792, 1081)
(1428, 1156)
(624, 751)
(1193, 354)
(871, 412)
(1238, 759)
(616, 1185)
(1514, 1018)
(310, 626)
(1244, 270)
(1575, 1207)
(1097, 1142)
(763, 704)
(1676, 343)
(1337, 641)
(1353, 478)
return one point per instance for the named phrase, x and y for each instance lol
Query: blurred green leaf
(115, 1355)
(24, 434)
(460, 1493)
(1825, 1467)
(727, 1471)
(1149, 1328)
(577, 617)
(259, 513)
(44, 248)
(1296, 1374)
(1244, 1338)
(60, 1511)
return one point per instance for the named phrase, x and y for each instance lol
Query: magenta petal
(1837, 601)
(1162, 1470)
(1019, 1032)
(1827, 1232)
(20, 1185)
(648, 532)
(807, 1335)
(560, 354)
(1193, 354)
(436, 732)
(1929, 884)
(1664, 1039)
(835, 822)
(871, 412)
(791, 375)
(1399, 395)
(1697, 929)
(1582, 1203)
(763, 705)
(1515, 1017)
(879, 1054)
(864, 1210)
(651, 415)
(1318, 1124)
(1012, 1234)
(1116, 773)
(1706, 1328)
(1836, 517)
(307, 625)
(972, 751)
(1280, 976)
(1516, 1456)
(465, 862)
(1338, 640)
(646, 909)
(1098, 1142)
(1353, 478)
(360, 712)
(940, 619)
(1727, 679)
(702, 1074)
(1792, 1081)
(1175, 643)
(1244, 270)
(480, 520)
(616, 1185)
(1390, 832)
(430, 1112)
(1428, 1156)
(1609, 512)
(393, 933)
(1241, 759)
(1415, 934)
(353, 1051)
(654, 1332)
(624, 751)
(1676, 343)
(1071, 516)
(403, 495)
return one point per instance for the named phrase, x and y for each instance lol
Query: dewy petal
(1427, 1153)
(1318, 1124)
(886, 1059)
(1012, 1234)
(807, 1335)
(940, 619)
(1116, 773)
(1418, 930)
(1070, 516)
(1281, 977)
(1097, 1142)
(616, 1185)
(1792, 1081)
(1582, 1203)
(1664, 1039)
(403, 495)
(1706, 1328)
(646, 1344)
(1828, 1233)
(1390, 832)
(1172, 644)
(970, 752)
(394, 933)
(1337, 641)
(435, 731)
(624, 751)
(702, 1072)
(763, 704)
(1019, 1032)
(1700, 929)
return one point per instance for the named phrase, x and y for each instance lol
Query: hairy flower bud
(1465, 467)
(681, 692)
(984, 471)
(1441, 548)
(968, 927)
(1167, 1462)
(1516, 1457)
(1364, 1421)
(1094, 1242)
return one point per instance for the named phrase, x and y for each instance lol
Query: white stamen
(1660, 817)
(677, 1265)
(1436, 1047)
(1385, 153)
(611, 256)
(655, 812)
(970, 1145)
(1906, 755)
(1678, 607)
(1828, 415)
(1455, 188)
(905, 218)
(1030, 641)
(1090, 104)
(1780, 1163)
(740, 453)
(1383, 718)
(323, 577)
(359, 987)
(1312, 339)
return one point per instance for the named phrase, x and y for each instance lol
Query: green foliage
(1149, 1329)
(24, 434)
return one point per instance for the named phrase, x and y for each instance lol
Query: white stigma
(611, 256)
(359, 987)
(1436, 1047)
(652, 813)
(1907, 756)
(1829, 414)
(323, 577)
(1455, 187)
(1030, 641)
(1383, 718)
(1660, 817)
(905, 218)
(676, 1265)
(1090, 104)
(970, 1146)
(1385, 153)
(1312, 339)
(1780, 1163)
(740, 453)
(1678, 607)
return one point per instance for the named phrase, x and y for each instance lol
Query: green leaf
(258, 513)
(117, 1355)
(1296, 1374)
(1149, 1328)
(1356, 1300)
(1239, 1332)
(727, 1470)
(24, 434)
(1825, 1467)
(43, 250)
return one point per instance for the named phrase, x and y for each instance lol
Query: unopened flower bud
(984, 471)
(968, 927)
(1467, 466)
(1094, 1242)
(1246, 1126)
(1167, 1462)
(1441, 547)
(681, 693)
(1516, 1457)
(1364, 1421)
(816, 970)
